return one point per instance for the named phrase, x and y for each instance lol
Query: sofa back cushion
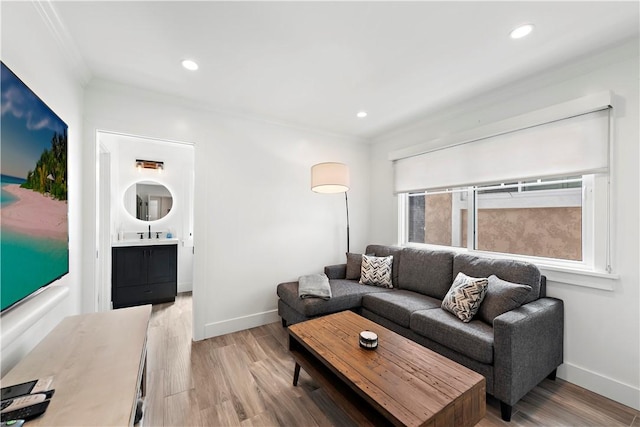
(426, 271)
(512, 271)
(383, 251)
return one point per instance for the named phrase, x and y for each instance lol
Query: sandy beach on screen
(34, 214)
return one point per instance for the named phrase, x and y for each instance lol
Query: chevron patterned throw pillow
(465, 296)
(376, 271)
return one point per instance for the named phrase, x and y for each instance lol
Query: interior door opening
(166, 216)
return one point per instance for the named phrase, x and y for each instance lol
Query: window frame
(593, 271)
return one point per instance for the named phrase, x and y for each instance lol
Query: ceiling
(316, 64)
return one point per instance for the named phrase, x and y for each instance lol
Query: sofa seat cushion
(398, 305)
(473, 339)
(345, 295)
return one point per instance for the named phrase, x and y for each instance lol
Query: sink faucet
(149, 230)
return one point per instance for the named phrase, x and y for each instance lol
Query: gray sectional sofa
(514, 352)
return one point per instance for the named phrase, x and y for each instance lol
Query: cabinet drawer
(146, 294)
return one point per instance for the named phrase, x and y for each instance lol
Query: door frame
(104, 228)
(103, 224)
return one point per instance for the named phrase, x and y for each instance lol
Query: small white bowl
(368, 340)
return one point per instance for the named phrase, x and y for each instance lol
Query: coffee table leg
(296, 374)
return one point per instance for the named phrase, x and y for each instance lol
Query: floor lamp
(332, 177)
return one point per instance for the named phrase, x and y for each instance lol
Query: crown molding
(61, 35)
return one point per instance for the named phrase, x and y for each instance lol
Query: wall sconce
(149, 164)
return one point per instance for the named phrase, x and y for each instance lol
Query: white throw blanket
(314, 286)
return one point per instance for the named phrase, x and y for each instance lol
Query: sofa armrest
(338, 271)
(528, 346)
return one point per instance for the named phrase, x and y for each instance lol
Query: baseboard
(613, 389)
(240, 323)
(185, 287)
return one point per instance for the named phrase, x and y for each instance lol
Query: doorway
(169, 211)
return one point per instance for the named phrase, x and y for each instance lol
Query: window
(436, 218)
(552, 219)
(528, 212)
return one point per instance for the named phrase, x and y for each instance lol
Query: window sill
(577, 277)
(567, 272)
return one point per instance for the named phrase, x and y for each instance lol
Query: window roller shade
(572, 146)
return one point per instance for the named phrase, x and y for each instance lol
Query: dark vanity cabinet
(144, 274)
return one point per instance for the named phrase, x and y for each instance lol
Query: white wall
(29, 50)
(177, 177)
(602, 328)
(257, 223)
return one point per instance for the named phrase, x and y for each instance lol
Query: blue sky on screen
(27, 126)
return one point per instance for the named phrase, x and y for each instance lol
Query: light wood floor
(245, 379)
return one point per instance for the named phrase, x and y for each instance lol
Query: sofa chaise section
(346, 295)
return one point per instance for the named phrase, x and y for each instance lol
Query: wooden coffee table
(399, 383)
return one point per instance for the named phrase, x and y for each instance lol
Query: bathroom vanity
(144, 272)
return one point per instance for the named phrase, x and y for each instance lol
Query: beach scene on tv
(33, 208)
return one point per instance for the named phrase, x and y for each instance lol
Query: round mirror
(148, 200)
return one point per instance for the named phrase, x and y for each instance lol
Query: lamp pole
(346, 201)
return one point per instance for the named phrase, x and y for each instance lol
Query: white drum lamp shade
(330, 177)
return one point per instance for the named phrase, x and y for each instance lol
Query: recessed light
(362, 114)
(521, 31)
(189, 65)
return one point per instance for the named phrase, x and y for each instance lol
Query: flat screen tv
(34, 236)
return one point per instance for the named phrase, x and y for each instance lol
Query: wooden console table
(97, 362)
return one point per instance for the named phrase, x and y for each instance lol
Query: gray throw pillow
(376, 271)
(502, 296)
(465, 296)
(354, 263)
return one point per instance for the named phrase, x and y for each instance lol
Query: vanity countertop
(144, 242)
